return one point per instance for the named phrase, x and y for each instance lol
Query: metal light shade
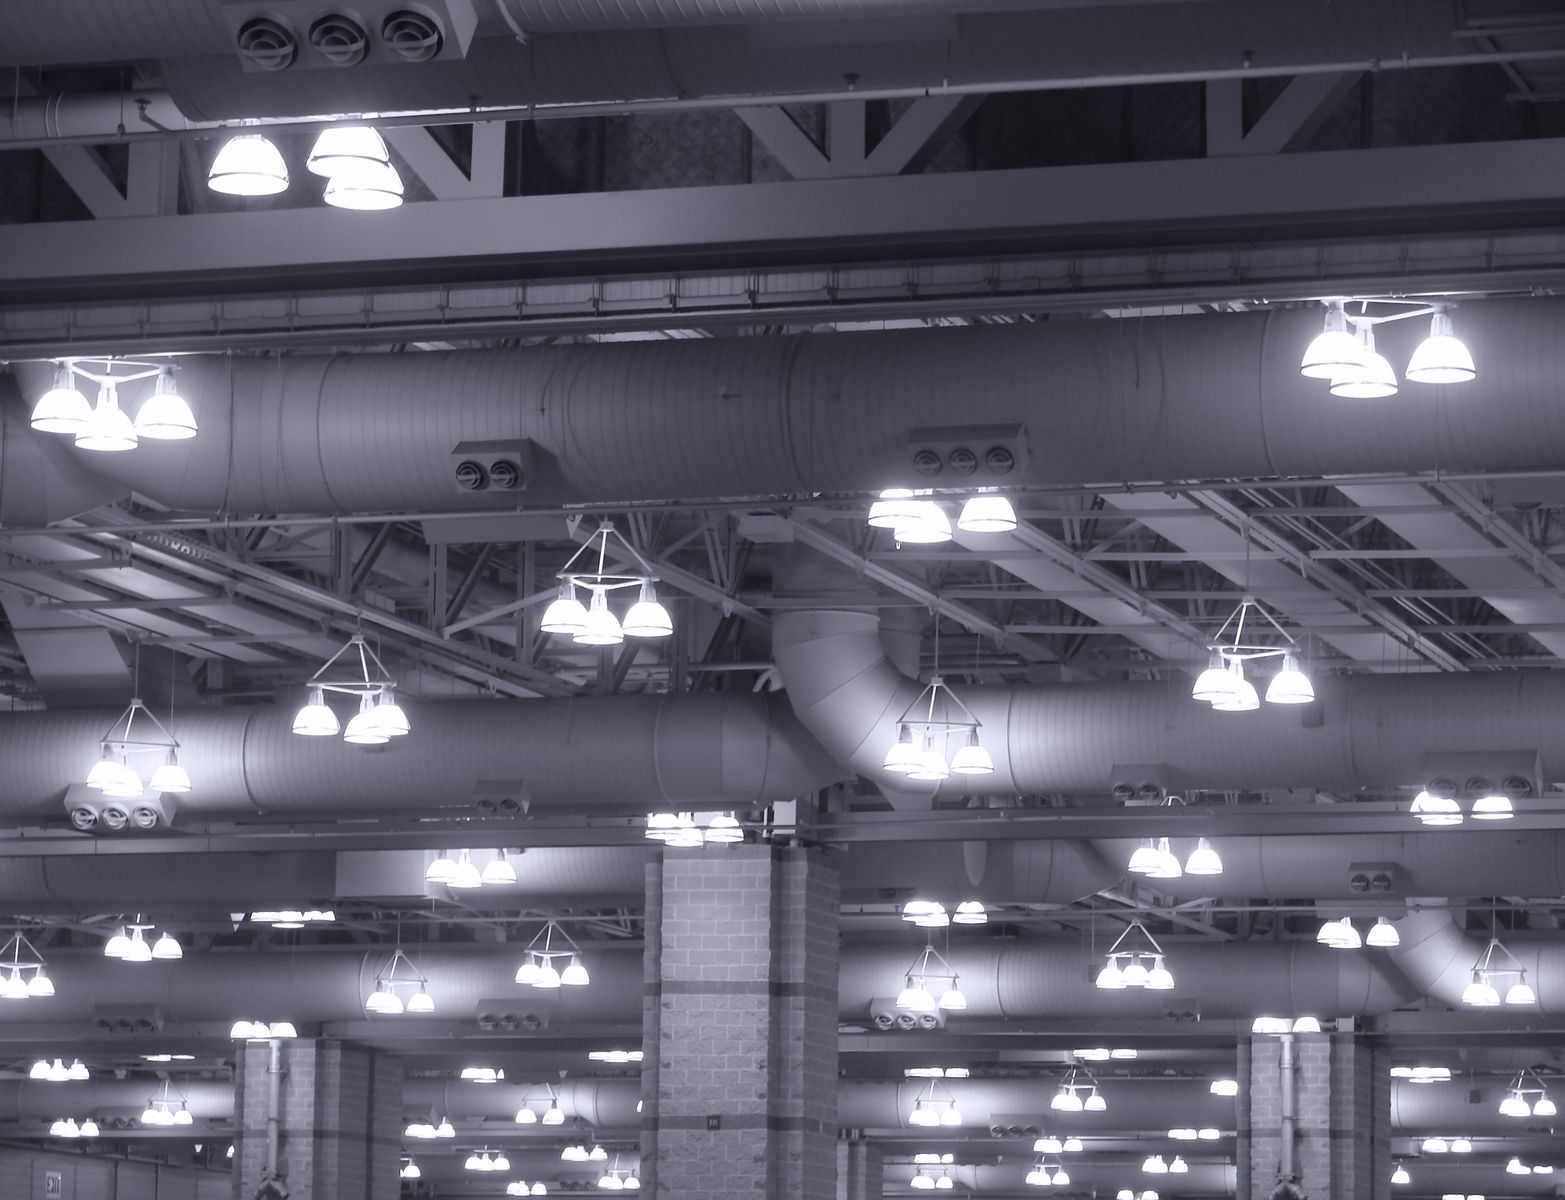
(970, 912)
(527, 974)
(1215, 683)
(466, 875)
(1400, 1177)
(724, 829)
(1241, 696)
(916, 1000)
(950, 1116)
(1515, 1105)
(1160, 978)
(952, 1000)
(972, 758)
(1145, 858)
(1224, 1087)
(526, 1116)
(1480, 992)
(1383, 934)
(14, 987)
(124, 783)
(1441, 357)
(248, 165)
(363, 729)
(987, 513)
(388, 717)
(373, 187)
(315, 718)
(1370, 379)
(1178, 1166)
(441, 870)
(1048, 1145)
(1268, 1025)
(170, 777)
(117, 946)
(1290, 685)
(167, 947)
(1062, 1178)
(903, 757)
(166, 416)
(548, 978)
(927, 525)
(565, 613)
(575, 975)
(411, 1170)
(602, 628)
(1306, 1025)
(1544, 1107)
(1111, 978)
(1332, 352)
(103, 772)
(499, 872)
(1493, 807)
(1436, 810)
(40, 985)
(931, 768)
(896, 506)
(107, 429)
(1066, 1100)
(63, 408)
(1136, 973)
(554, 1116)
(647, 617)
(1168, 863)
(345, 149)
(282, 1030)
(1203, 860)
(1520, 993)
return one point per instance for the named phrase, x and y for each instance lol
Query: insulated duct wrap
(129, 881)
(730, 749)
(1177, 398)
(1373, 729)
(1021, 979)
(36, 1100)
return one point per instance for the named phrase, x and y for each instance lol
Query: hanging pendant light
(1145, 858)
(565, 613)
(63, 408)
(167, 947)
(165, 415)
(647, 617)
(1370, 379)
(315, 718)
(972, 758)
(248, 165)
(1203, 860)
(467, 876)
(1290, 685)
(499, 872)
(1215, 683)
(1168, 862)
(896, 506)
(1441, 357)
(170, 777)
(1383, 934)
(1334, 350)
(987, 512)
(602, 627)
(345, 149)
(1241, 695)
(371, 188)
(108, 429)
(363, 730)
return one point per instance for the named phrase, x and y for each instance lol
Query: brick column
(1342, 1118)
(740, 1025)
(340, 1121)
(860, 1171)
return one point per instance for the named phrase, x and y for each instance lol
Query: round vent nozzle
(340, 40)
(412, 36)
(267, 45)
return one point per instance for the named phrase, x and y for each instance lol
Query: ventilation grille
(339, 40)
(412, 36)
(267, 45)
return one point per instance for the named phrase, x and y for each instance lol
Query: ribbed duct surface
(1029, 979)
(729, 749)
(1075, 47)
(1438, 959)
(1373, 729)
(1180, 398)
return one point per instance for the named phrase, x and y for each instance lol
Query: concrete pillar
(740, 1024)
(1341, 1117)
(860, 1171)
(339, 1121)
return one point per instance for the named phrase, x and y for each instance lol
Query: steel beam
(1276, 198)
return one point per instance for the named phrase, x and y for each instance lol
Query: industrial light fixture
(930, 967)
(371, 189)
(541, 955)
(594, 624)
(916, 519)
(410, 1170)
(1271, 1025)
(1422, 1074)
(160, 1110)
(293, 918)
(1356, 371)
(426, 1131)
(483, 1074)
(262, 1031)
(44, 1071)
(1153, 1164)
(346, 149)
(1383, 934)
(1053, 1145)
(66, 1127)
(26, 973)
(124, 740)
(165, 415)
(1223, 684)
(397, 977)
(1399, 1175)
(248, 165)
(694, 829)
(360, 673)
(1224, 1087)
(1135, 960)
(1068, 1098)
(518, 1187)
(1517, 1103)
(1104, 1054)
(1043, 1175)
(1155, 858)
(1497, 964)
(615, 1057)
(924, 730)
(937, 1072)
(1339, 934)
(130, 944)
(487, 1160)
(934, 1106)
